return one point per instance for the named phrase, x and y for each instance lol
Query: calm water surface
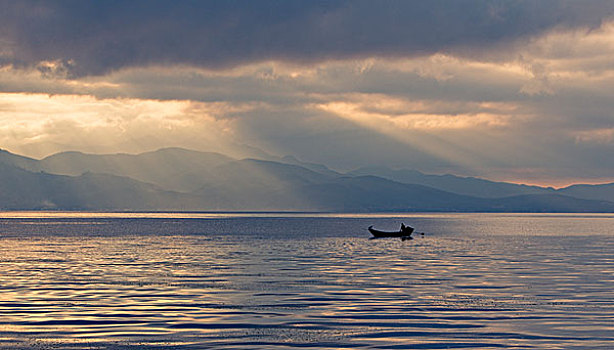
(281, 281)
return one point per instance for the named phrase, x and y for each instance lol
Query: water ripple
(211, 283)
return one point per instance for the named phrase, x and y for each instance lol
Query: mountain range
(180, 179)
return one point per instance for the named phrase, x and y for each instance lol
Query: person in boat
(406, 229)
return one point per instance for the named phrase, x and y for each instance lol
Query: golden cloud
(39, 124)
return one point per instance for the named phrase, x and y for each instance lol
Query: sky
(519, 91)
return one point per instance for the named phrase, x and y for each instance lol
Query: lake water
(282, 281)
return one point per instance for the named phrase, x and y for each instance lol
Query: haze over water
(280, 281)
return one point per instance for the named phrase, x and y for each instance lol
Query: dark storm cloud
(93, 37)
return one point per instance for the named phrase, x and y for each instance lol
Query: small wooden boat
(404, 233)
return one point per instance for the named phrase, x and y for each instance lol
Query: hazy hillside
(22, 189)
(598, 192)
(251, 183)
(177, 179)
(319, 168)
(488, 189)
(462, 185)
(370, 193)
(173, 169)
(18, 161)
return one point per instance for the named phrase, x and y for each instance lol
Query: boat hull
(382, 234)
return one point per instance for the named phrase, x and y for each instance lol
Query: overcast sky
(519, 91)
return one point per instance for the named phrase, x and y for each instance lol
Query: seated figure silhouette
(406, 229)
(406, 232)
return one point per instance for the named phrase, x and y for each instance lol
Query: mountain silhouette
(180, 179)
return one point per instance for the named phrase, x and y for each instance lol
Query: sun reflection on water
(161, 283)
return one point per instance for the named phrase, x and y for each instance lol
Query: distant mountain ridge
(485, 188)
(462, 185)
(173, 169)
(25, 190)
(180, 179)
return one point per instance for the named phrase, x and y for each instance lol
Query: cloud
(37, 124)
(94, 38)
(605, 136)
(498, 89)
